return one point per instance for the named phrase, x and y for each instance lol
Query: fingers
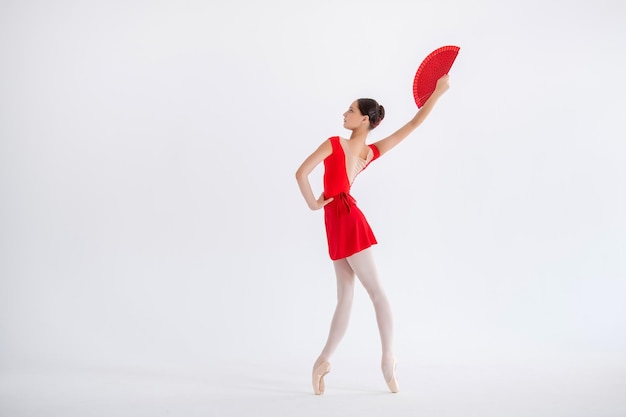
(443, 83)
(321, 202)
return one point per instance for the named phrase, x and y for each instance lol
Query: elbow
(300, 175)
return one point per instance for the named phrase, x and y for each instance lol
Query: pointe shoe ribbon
(318, 377)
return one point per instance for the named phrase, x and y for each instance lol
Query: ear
(366, 119)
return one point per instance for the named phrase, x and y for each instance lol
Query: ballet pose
(349, 235)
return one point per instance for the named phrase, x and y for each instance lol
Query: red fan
(434, 66)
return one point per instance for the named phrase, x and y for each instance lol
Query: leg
(339, 324)
(363, 265)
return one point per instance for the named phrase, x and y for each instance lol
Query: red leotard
(347, 229)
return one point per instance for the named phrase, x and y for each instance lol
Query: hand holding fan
(433, 67)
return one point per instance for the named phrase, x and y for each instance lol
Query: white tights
(362, 265)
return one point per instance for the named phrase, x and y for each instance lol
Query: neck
(359, 135)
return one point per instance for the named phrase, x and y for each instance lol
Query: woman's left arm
(386, 144)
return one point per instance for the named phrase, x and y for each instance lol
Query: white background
(150, 222)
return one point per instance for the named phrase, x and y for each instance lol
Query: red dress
(347, 229)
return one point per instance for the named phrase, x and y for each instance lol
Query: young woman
(348, 233)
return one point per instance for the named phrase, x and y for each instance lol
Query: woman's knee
(376, 293)
(345, 289)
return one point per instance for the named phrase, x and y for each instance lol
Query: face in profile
(353, 118)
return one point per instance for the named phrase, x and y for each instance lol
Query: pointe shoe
(318, 377)
(393, 381)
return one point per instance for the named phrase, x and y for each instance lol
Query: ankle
(387, 365)
(320, 361)
(388, 357)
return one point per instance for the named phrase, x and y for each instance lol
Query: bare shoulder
(321, 153)
(325, 148)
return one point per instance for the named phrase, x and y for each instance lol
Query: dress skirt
(347, 230)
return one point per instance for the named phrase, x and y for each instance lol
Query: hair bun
(381, 113)
(370, 107)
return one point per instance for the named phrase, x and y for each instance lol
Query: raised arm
(399, 135)
(302, 175)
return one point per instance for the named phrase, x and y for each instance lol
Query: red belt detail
(343, 203)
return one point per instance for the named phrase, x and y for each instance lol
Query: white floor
(263, 388)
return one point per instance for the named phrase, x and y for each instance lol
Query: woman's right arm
(302, 176)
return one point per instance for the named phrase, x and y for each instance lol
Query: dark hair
(370, 107)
